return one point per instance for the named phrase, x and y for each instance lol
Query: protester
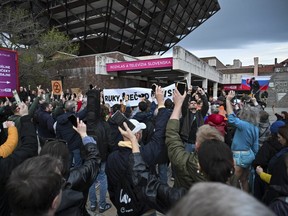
(44, 121)
(192, 118)
(270, 147)
(98, 128)
(277, 170)
(28, 149)
(35, 187)
(117, 162)
(184, 162)
(216, 120)
(80, 178)
(283, 116)
(245, 142)
(64, 130)
(264, 127)
(255, 88)
(11, 142)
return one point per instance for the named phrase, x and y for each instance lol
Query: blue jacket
(65, 131)
(45, 124)
(246, 135)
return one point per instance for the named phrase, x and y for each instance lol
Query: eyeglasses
(193, 103)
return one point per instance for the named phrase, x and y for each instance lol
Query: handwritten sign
(134, 95)
(56, 87)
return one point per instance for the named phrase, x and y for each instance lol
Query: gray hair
(70, 106)
(223, 200)
(249, 114)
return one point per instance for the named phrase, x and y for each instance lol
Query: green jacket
(185, 164)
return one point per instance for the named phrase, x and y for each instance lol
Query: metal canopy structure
(134, 27)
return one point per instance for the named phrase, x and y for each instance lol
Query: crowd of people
(225, 156)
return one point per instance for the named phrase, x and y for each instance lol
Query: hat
(138, 126)
(275, 126)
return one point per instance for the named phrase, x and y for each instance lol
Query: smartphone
(16, 96)
(153, 87)
(73, 120)
(181, 87)
(119, 118)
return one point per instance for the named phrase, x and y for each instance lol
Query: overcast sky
(243, 29)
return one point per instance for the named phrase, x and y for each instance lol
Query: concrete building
(119, 70)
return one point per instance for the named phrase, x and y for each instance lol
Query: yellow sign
(56, 87)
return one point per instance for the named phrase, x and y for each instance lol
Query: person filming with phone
(192, 118)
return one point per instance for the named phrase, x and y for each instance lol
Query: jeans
(189, 147)
(76, 157)
(163, 170)
(102, 179)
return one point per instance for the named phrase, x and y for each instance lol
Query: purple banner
(139, 65)
(8, 72)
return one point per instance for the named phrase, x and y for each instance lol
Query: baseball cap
(275, 126)
(138, 125)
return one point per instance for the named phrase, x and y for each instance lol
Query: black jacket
(80, 179)
(117, 162)
(158, 195)
(28, 149)
(189, 127)
(269, 148)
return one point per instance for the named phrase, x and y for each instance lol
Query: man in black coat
(29, 148)
(117, 162)
(65, 131)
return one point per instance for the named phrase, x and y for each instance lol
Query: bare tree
(35, 45)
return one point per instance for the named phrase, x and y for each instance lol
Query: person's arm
(229, 108)
(204, 99)
(176, 151)
(28, 148)
(156, 146)
(81, 178)
(34, 105)
(264, 176)
(161, 195)
(184, 107)
(12, 140)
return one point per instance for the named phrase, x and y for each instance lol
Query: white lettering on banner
(5, 74)
(113, 96)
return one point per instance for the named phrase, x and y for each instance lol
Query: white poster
(135, 95)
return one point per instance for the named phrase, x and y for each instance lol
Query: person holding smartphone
(117, 162)
(192, 117)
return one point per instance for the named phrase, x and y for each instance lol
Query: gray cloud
(240, 23)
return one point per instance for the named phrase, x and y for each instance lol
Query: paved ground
(112, 211)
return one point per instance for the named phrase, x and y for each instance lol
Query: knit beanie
(275, 126)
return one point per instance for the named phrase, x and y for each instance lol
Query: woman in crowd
(245, 142)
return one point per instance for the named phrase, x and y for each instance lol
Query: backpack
(126, 200)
